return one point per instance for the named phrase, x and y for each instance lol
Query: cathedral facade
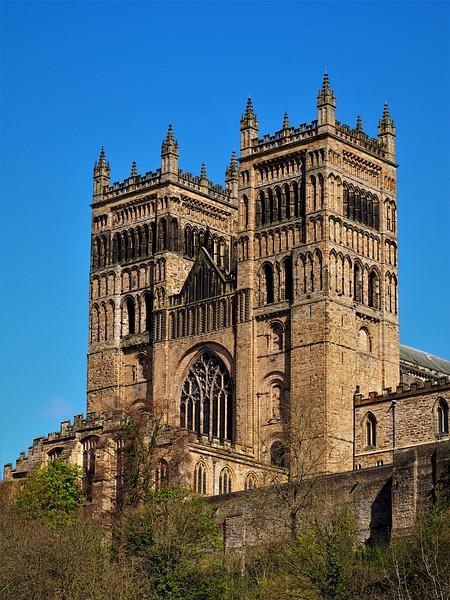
(260, 319)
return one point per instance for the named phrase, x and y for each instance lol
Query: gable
(205, 280)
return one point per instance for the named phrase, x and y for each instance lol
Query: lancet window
(161, 474)
(225, 481)
(251, 482)
(361, 206)
(371, 431)
(206, 405)
(200, 478)
(442, 414)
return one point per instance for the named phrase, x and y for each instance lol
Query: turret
(169, 157)
(249, 128)
(326, 106)
(232, 177)
(386, 133)
(102, 174)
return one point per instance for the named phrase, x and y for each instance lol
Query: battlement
(359, 138)
(285, 136)
(132, 184)
(200, 184)
(136, 183)
(305, 131)
(404, 390)
(27, 461)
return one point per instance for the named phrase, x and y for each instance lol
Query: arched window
(277, 337)
(54, 454)
(278, 454)
(206, 405)
(174, 235)
(225, 481)
(364, 343)
(130, 244)
(162, 235)
(358, 283)
(287, 272)
(161, 474)
(200, 478)
(123, 246)
(245, 211)
(442, 417)
(148, 300)
(260, 210)
(371, 431)
(188, 249)
(251, 482)
(116, 248)
(374, 290)
(276, 397)
(268, 283)
(89, 445)
(129, 317)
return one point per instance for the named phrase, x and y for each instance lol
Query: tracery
(206, 398)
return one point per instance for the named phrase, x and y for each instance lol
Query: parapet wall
(385, 501)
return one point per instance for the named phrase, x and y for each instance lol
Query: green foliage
(139, 434)
(52, 493)
(175, 541)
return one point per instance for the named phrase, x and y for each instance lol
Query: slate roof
(424, 359)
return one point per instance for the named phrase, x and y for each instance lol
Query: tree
(147, 450)
(174, 540)
(52, 494)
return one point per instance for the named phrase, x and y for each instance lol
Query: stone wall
(385, 500)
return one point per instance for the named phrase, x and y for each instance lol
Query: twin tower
(248, 316)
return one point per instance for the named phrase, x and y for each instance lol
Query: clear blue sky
(79, 75)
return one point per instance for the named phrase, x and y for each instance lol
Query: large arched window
(442, 417)
(206, 405)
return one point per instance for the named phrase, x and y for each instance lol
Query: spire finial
(133, 169)
(386, 119)
(326, 84)
(286, 121)
(102, 159)
(203, 171)
(359, 123)
(169, 137)
(232, 170)
(249, 112)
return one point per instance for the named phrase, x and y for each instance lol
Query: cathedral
(258, 321)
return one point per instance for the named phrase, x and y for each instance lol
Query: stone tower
(317, 253)
(249, 316)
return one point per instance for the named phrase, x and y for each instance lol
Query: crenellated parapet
(404, 390)
(284, 136)
(142, 183)
(60, 443)
(357, 137)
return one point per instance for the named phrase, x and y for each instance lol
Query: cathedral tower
(317, 249)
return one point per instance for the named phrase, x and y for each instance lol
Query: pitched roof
(424, 360)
